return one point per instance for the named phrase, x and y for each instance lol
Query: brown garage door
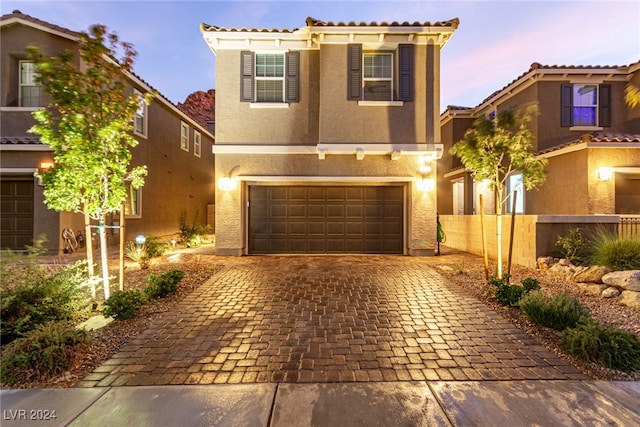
(325, 219)
(16, 209)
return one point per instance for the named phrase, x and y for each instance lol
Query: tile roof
(207, 27)
(312, 22)
(596, 137)
(18, 14)
(20, 140)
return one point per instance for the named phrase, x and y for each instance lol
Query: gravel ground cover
(464, 272)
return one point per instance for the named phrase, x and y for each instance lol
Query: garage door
(326, 219)
(16, 209)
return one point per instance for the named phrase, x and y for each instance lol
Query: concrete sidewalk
(440, 403)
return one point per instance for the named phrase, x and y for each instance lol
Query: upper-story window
(184, 136)
(380, 75)
(269, 77)
(197, 143)
(140, 119)
(515, 184)
(586, 105)
(30, 89)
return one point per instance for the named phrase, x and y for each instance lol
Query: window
(140, 119)
(133, 202)
(269, 77)
(184, 136)
(197, 142)
(586, 105)
(514, 183)
(483, 188)
(458, 198)
(30, 89)
(380, 75)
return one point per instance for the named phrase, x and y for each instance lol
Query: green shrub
(123, 305)
(41, 353)
(617, 253)
(507, 294)
(155, 248)
(138, 253)
(192, 235)
(558, 311)
(573, 246)
(39, 294)
(163, 285)
(608, 346)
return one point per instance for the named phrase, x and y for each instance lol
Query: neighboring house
(326, 136)
(590, 137)
(176, 149)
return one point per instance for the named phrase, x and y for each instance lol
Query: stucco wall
(231, 205)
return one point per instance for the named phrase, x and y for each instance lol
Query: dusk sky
(496, 42)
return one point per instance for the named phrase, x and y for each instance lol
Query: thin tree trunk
(484, 240)
(121, 258)
(513, 226)
(89, 243)
(499, 237)
(103, 256)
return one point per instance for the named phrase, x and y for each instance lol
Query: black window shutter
(292, 79)
(566, 105)
(405, 75)
(604, 105)
(354, 71)
(246, 76)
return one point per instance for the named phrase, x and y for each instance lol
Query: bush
(42, 353)
(163, 285)
(507, 294)
(138, 253)
(617, 253)
(156, 249)
(123, 305)
(192, 235)
(559, 311)
(608, 346)
(38, 295)
(573, 246)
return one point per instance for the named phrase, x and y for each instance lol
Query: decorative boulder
(591, 274)
(628, 280)
(610, 292)
(545, 262)
(563, 270)
(593, 288)
(630, 298)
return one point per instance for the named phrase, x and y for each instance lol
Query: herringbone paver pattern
(328, 319)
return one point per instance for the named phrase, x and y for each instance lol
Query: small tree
(88, 125)
(494, 149)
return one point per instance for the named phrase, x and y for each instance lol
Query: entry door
(326, 219)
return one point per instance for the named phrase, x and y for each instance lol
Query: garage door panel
(326, 219)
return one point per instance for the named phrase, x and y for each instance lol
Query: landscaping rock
(562, 270)
(630, 298)
(628, 280)
(545, 262)
(593, 288)
(611, 292)
(591, 274)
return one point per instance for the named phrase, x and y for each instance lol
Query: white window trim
(21, 85)
(381, 103)
(257, 78)
(379, 79)
(521, 196)
(145, 116)
(197, 143)
(184, 137)
(269, 105)
(137, 215)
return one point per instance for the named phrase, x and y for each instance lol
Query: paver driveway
(328, 319)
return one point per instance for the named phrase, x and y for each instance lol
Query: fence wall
(629, 226)
(534, 235)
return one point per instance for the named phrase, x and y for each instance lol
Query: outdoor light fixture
(426, 184)
(605, 174)
(226, 183)
(45, 166)
(140, 239)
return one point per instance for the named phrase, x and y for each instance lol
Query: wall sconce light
(226, 183)
(45, 166)
(426, 184)
(605, 174)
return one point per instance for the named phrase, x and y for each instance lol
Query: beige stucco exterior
(326, 139)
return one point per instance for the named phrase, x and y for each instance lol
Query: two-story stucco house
(176, 149)
(327, 137)
(588, 133)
